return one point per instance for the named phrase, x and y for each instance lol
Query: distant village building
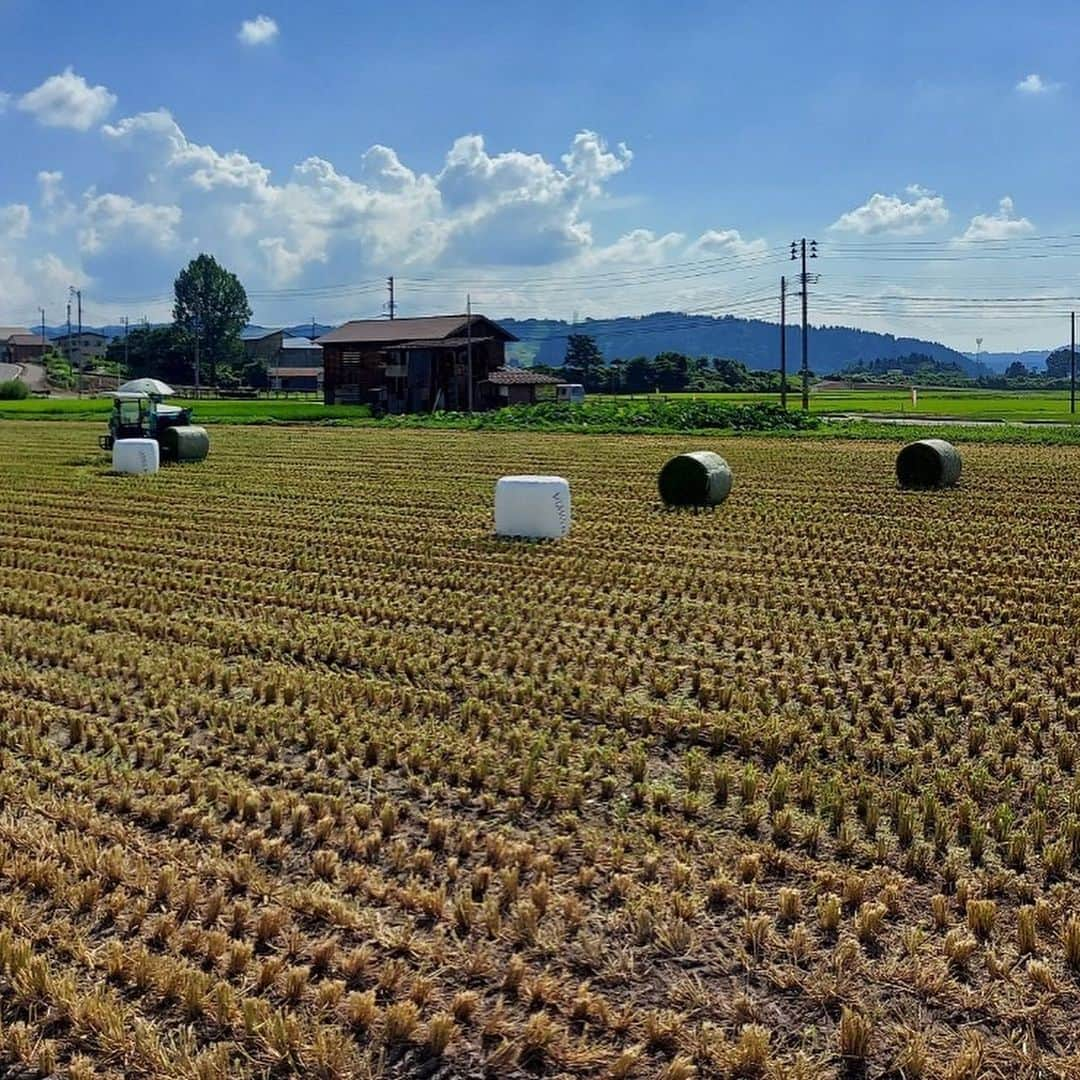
(516, 386)
(19, 346)
(82, 349)
(413, 365)
(298, 365)
(292, 363)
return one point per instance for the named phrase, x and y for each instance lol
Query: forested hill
(755, 343)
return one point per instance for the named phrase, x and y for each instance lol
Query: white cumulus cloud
(109, 218)
(68, 100)
(5, 99)
(1004, 225)
(50, 186)
(258, 31)
(481, 207)
(1035, 84)
(14, 221)
(891, 214)
(725, 242)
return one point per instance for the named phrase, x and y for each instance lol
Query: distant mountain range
(755, 343)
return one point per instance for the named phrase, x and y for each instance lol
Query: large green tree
(212, 308)
(583, 354)
(1059, 364)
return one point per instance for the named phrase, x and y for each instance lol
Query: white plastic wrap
(136, 456)
(537, 507)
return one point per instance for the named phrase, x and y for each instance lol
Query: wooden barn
(412, 365)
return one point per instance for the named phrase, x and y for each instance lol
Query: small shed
(295, 378)
(514, 386)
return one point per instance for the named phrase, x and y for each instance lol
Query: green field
(1000, 405)
(1050, 406)
(207, 412)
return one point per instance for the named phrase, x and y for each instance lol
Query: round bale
(928, 463)
(185, 442)
(699, 478)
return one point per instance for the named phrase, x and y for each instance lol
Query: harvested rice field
(303, 772)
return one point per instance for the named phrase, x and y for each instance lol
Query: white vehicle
(570, 393)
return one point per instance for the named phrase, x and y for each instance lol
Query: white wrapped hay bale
(136, 456)
(536, 507)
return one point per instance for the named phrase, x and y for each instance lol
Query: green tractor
(139, 412)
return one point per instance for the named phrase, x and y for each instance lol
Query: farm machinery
(139, 412)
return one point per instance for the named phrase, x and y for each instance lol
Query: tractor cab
(129, 419)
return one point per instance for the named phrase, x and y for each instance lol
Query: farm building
(413, 365)
(18, 345)
(515, 386)
(82, 348)
(292, 363)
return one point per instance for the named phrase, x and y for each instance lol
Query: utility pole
(1072, 363)
(783, 342)
(78, 297)
(804, 278)
(69, 338)
(312, 327)
(197, 335)
(390, 285)
(468, 348)
(127, 364)
(42, 310)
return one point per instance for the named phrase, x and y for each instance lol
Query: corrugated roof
(395, 331)
(301, 343)
(521, 377)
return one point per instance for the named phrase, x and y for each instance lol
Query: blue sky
(602, 159)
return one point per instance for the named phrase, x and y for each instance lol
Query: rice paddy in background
(995, 405)
(303, 772)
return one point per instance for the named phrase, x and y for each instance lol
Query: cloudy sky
(552, 160)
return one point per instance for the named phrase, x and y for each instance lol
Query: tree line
(666, 372)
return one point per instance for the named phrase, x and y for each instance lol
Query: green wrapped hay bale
(928, 463)
(185, 443)
(699, 478)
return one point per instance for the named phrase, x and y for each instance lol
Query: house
(515, 386)
(21, 348)
(413, 365)
(298, 365)
(6, 334)
(292, 363)
(295, 378)
(82, 348)
(260, 343)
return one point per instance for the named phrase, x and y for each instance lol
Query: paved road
(34, 377)
(9, 371)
